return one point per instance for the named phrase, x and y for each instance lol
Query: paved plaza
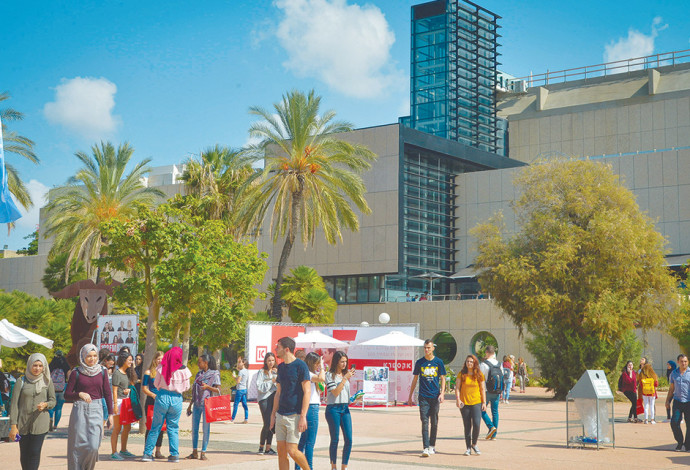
(532, 434)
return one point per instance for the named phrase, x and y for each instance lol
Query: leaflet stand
(589, 412)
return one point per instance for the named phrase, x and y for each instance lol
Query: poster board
(262, 337)
(116, 331)
(376, 384)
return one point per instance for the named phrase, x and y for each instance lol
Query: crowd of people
(103, 386)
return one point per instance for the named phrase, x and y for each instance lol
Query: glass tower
(453, 70)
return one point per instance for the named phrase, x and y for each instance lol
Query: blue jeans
(168, 407)
(506, 392)
(199, 413)
(338, 417)
(56, 412)
(680, 410)
(492, 400)
(308, 437)
(240, 396)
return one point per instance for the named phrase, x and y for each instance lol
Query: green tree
(99, 192)
(54, 275)
(46, 317)
(307, 298)
(584, 268)
(680, 325)
(15, 144)
(311, 177)
(32, 248)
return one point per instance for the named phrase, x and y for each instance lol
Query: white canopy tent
(394, 339)
(12, 336)
(316, 339)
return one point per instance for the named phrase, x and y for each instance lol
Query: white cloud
(84, 106)
(636, 44)
(38, 192)
(345, 46)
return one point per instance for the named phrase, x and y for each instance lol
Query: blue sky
(175, 77)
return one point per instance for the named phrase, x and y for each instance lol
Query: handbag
(127, 415)
(149, 419)
(218, 408)
(640, 407)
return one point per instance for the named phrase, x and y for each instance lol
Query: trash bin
(589, 412)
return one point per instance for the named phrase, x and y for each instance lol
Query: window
(446, 347)
(480, 341)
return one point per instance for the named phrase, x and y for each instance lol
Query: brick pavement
(531, 435)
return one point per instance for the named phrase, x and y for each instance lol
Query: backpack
(507, 375)
(647, 386)
(494, 379)
(57, 376)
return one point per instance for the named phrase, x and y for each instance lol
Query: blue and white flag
(8, 209)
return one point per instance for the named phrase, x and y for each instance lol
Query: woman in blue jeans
(206, 383)
(317, 375)
(59, 372)
(172, 380)
(242, 378)
(337, 408)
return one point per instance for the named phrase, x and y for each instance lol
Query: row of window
(355, 289)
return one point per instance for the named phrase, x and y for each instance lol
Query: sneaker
(261, 451)
(116, 456)
(491, 433)
(476, 451)
(127, 454)
(468, 452)
(147, 458)
(432, 450)
(173, 458)
(679, 448)
(425, 452)
(271, 452)
(507, 402)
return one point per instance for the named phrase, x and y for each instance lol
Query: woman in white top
(337, 408)
(266, 386)
(317, 376)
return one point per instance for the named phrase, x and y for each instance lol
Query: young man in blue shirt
(431, 373)
(290, 405)
(679, 391)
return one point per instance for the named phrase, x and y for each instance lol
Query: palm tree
(215, 180)
(16, 144)
(310, 177)
(99, 191)
(306, 296)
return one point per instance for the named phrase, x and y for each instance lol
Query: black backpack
(494, 379)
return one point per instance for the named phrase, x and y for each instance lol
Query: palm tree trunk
(287, 248)
(185, 339)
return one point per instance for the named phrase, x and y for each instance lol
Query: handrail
(605, 69)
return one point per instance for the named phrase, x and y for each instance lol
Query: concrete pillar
(653, 82)
(542, 94)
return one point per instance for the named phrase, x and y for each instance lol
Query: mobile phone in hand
(17, 438)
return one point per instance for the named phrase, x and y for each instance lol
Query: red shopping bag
(149, 419)
(640, 407)
(218, 408)
(127, 415)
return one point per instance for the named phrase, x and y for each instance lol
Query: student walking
(150, 391)
(522, 374)
(59, 372)
(241, 390)
(431, 374)
(679, 392)
(317, 376)
(32, 397)
(206, 383)
(266, 386)
(123, 376)
(172, 380)
(647, 385)
(491, 369)
(291, 404)
(90, 391)
(337, 407)
(508, 377)
(627, 383)
(470, 397)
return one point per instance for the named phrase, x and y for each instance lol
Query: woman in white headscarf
(32, 397)
(88, 387)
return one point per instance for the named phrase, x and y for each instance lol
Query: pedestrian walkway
(531, 435)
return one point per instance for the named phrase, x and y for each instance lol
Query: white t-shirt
(315, 398)
(242, 379)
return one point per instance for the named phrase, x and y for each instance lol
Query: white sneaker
(432, 450)
(653, 422)
(476, 451)
(506, 402)
(425, 452)
(468, 452)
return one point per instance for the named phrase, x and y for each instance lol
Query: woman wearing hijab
(172, 380)
(33, 396)
(87, 387)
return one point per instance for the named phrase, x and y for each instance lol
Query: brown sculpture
(93, 301)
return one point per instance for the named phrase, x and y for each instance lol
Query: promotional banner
(376, 384)
(115, 331)
(262, 337)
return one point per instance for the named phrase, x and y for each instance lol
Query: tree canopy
(584, 267)
(307, 298)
